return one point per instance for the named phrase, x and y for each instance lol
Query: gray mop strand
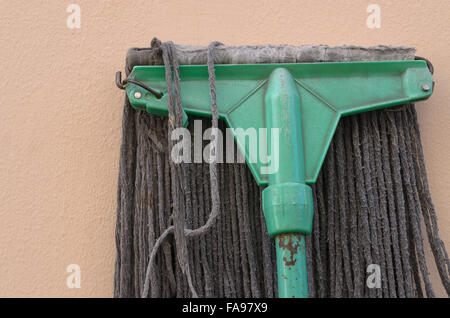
(181, 233)
(371, 199)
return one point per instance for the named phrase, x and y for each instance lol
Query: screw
(137, 95)
(426, 87)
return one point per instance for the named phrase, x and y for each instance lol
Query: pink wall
(61, 112)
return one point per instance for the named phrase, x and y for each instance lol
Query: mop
(373, 182)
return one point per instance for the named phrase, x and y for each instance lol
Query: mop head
(372, 201)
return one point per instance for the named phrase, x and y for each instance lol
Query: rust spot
(290, 246)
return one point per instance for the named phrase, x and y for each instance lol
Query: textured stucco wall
(61, 112)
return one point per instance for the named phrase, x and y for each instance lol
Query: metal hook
(429, 64)
(121, 84)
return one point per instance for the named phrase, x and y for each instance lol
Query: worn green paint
(291, 266)
(305, 102)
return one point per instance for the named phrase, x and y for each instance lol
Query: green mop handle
(287, 201)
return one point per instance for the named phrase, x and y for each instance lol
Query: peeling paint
(291, 246)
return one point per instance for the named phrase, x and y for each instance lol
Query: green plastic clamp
(287, 201)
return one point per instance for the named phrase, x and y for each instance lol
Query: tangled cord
(179, 172)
